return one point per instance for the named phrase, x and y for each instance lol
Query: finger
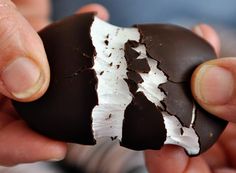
(214, 87)
(38, 23)
(24, 70)
(223, 154)
(173, 159)
(225, 170)
(196, 165)
(33, 8)
(21, 145)
(35, 11)
(215, 156)
(101, 11)
(160, 161)
(209, 34)
(228, 143)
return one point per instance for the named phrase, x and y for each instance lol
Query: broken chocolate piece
(143, 125)
(139, 65)
(131, 55)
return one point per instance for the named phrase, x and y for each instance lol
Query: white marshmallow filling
(113, 92)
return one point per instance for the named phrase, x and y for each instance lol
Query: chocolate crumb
(106, 42)
(117, 66)
(117, 31)
(110, 55)
(111, 64)
(109, 117)
(113, 138)
(101, 73)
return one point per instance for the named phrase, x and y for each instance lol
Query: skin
(21, 145)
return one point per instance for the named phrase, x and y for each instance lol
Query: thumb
(24, 70)
(214, 87)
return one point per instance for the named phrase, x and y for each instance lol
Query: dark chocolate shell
(65, 112)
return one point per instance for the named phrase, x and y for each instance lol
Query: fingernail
(22, 78)
(214, 85)
(197, 30)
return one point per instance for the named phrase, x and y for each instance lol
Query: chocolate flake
(106, 42)
(134, 64)
(101, 73)
(181, 131)
(139, 65)
(114, 138)
(143, 113)
(134, 76)
(109, 117)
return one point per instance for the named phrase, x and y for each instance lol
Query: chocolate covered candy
(130, 84)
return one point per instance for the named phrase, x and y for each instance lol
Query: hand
(25, 77)
(213, 86)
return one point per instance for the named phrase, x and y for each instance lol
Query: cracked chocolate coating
(143, 125)
(61, 113)
(134, 64)
(177, 50)
(177, 58)
(178, 101)
(208, 127)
